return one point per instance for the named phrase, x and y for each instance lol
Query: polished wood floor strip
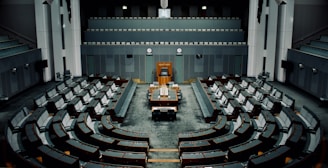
(163, 150)
(163, 160)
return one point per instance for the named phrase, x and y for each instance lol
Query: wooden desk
(163, 112)
(164, 109)
(171, 99)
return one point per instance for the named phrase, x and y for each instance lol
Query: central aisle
(164, 134)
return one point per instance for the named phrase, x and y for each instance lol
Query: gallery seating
(313, 141)
(52, 92)
(273, 158)
(124, 157)
(209, 110)
(276, 93)
(77, 89)
(259, 95)
(68, 96)
(191, 146)
(98, 164)
(120, 107)
(236, 89)
(252, 107)
(242, 97)
(271, 104)
(84, 150)
(231, 83)
(213, 88)
(42, 118)
(202, 157)
(310, 120)
(16, 122)
(252, 88)
(63, 117)
(242, 151)
(223, 102)
(14, 139)
(233, 164)
(59, 133)
(106, 124)
(75, 106)
(221, 124)
(135, 146)
(102, 98)
(52, 157)
(218, 93)
(85, 97)
(226, 140)
(288, 101)
(232, 110)
(40, 101)
(267, 87)
(129, 135)
(61, 87)
(95, 109)
(197, 135)
(263, 119)
(56, 103)
(34, 138)
(245, 82)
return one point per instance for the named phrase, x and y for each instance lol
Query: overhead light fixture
(124, 7)
(204, 7)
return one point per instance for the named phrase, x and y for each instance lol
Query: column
(285, 35)
(72, 33)
(255, 41)
(58, 50)
(44, 38)
(271, 39)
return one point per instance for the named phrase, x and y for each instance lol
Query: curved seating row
(168, 18)
(157, 30)
(162, 36)
(211, 43)
(278, 133)
(60, 139)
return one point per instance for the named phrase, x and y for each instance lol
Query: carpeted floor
(164, 134)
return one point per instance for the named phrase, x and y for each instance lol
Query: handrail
(309, 37)
(20, 37)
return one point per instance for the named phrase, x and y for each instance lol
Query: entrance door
(149, 69)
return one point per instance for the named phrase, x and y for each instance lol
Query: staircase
(317, 47)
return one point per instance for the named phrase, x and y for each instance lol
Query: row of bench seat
(190, 30)
(277, 134)
(71, 140)
(218, 43)
(96, 98)
(168, 18)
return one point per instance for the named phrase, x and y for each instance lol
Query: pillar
(285, 34)
(44, 38)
